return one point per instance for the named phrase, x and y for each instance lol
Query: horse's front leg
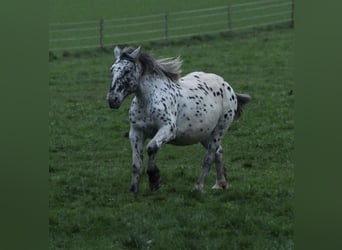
(137, 139)
(164, 135)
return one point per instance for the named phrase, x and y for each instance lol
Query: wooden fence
(170, 25)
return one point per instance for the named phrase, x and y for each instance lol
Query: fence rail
(169, 25)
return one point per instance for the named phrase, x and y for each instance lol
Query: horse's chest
(141, 119)
(148, 119)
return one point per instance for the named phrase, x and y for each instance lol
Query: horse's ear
(135, 53)
(117, 52)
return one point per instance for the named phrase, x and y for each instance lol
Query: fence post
(292, 14)
(166, 26)
(229, 19)
(101, 33)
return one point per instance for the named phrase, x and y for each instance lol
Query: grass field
(90, 161)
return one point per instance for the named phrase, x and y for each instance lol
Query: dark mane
(168, 67)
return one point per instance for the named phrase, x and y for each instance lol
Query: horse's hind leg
(214, 154)
(213, 145)
(207, 162)
(221, 179)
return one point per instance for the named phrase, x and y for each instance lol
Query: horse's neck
(149, 87)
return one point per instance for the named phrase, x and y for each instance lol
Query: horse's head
(126, 72)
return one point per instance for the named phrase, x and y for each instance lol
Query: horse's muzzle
(114, 102)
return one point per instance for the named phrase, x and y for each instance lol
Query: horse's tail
(242, 100)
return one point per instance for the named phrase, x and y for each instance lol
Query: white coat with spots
(196, 108)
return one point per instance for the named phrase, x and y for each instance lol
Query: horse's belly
(192, 132)
(187, 140)
(196, 121)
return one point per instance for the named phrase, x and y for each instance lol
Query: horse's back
(200, 77)
(214, 88)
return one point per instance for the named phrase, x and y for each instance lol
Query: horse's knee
(152, 148)
(218, 155)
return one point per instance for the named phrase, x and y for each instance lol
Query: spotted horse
(196, 108)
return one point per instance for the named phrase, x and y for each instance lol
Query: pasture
(90, 156)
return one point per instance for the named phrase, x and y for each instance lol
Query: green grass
(90, 157)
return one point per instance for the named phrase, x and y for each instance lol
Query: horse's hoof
(155, 186)
(217, 187)
(220, 186)
(133, 189)
(199, 188)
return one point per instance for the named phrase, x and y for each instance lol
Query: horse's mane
(169, 67)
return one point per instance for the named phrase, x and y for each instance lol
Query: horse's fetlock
(153, 174)
(154, 178)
